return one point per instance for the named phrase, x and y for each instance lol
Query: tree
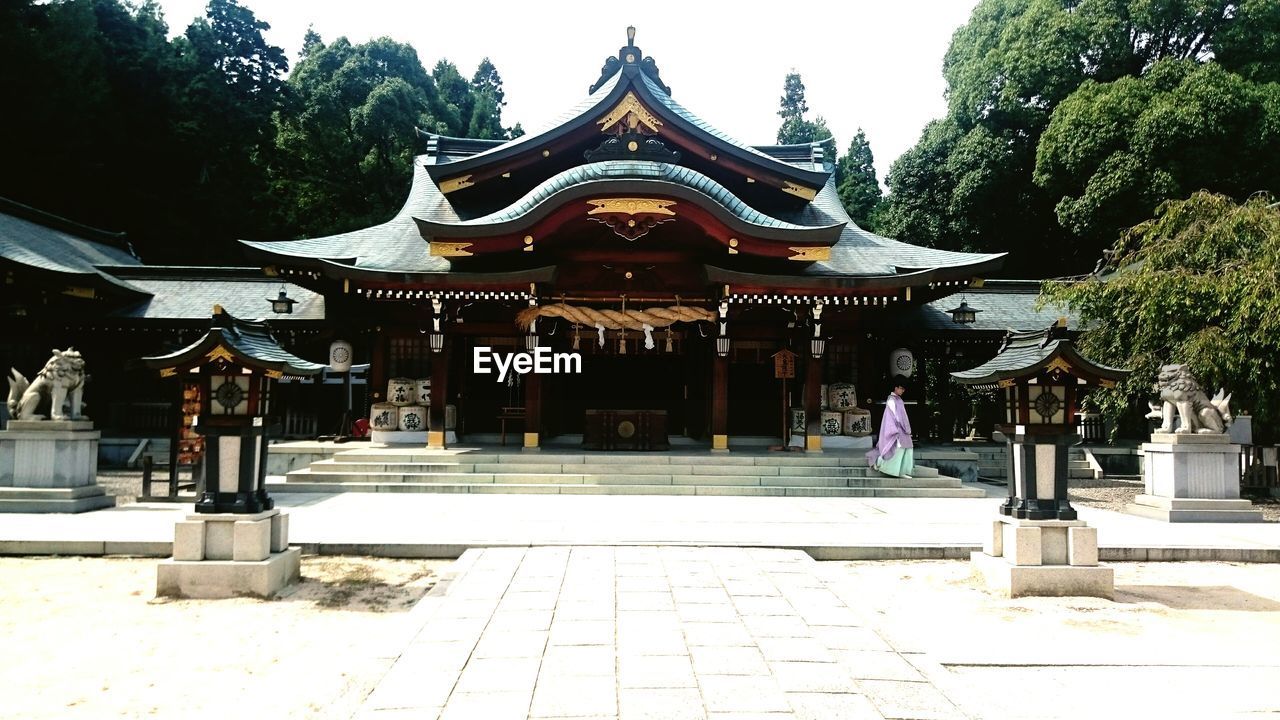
(347, 139)
(1009, 69)
(456, 95)
(859, 189)
(1196, 284)
(1113, 151)
(486, 114)
(795, 129)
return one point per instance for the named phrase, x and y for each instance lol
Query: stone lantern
(235, 364)
(1037, 545)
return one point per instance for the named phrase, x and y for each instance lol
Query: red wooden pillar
(532, 410)
(720, 404)
(439, 396)
(813, 405)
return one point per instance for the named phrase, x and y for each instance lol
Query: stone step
(331, 487)
(314, 475)
(603, 469)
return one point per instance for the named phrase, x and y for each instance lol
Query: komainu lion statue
(1181, 394)
(57, 391)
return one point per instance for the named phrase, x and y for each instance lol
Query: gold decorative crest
(810, 254)
(631, 206)
(448, 249)
(457, 183)
(631, 112)
(168, 372)
(1058, 364)
(799, 190)
(220, 353)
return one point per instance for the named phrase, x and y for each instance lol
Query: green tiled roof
(250, 341)
(637, 170)
(1026, 353)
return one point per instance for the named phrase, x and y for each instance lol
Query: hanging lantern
(817, 347)
(437, 342)
(964, 314)
(340, 355)
(531, 342)
(282, 305)
(722, 346)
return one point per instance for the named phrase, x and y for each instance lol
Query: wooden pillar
(720, 404)
(439, 396)
(532, 411)
(813, 405)
(377, 377)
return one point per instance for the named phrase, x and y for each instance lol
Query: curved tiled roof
(46, 242)
(250, 341)
(395, 245)
(645, 170)
(1025, 353)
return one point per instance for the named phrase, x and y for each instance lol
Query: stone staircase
(577, 473)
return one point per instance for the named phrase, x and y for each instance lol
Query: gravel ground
(1113, 493)
(87, 638)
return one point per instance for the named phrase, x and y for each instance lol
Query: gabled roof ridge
(50, 220)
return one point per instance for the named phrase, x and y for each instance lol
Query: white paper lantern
(340, 355)
(902, 362)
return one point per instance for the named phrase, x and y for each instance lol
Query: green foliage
(1010, 70)
(1196, 284)
(858, 187)
(347, 139)
(1114, 150)
(795, 128)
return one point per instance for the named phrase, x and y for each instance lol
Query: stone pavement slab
(826, 528)
(645, 659)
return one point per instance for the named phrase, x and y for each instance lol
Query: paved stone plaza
(649, 632)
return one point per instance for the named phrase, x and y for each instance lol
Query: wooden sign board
(784, 364)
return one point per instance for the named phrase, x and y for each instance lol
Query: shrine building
(676, 259)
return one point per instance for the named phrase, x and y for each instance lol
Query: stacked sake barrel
(406, 406)
(840, 413)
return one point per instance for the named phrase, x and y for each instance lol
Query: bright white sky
(874, 64)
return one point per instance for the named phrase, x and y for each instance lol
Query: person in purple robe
(894, 451)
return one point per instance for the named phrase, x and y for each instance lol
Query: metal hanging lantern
(722, 346)
(282, 305)
(437, 342)
(964, 314)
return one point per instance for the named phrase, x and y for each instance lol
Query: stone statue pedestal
(1054, 558)
(222, 555)
(1192, 478)
(50, 466)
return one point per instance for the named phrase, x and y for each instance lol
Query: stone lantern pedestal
(50, 466)
(222, 555)
(1043, 557)
(1192, 477)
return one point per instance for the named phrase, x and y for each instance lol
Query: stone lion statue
(1181, 394)
(57, 391)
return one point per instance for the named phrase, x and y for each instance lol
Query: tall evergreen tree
(858, 187)
(795, 128)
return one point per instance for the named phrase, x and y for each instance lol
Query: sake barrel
(402, 391)
(857, 422)
(450, 417)
(842, 396)
(832, 423)
(413, 418)
(384, 416)
(797, 421)
(424, 391)
(822, 395)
